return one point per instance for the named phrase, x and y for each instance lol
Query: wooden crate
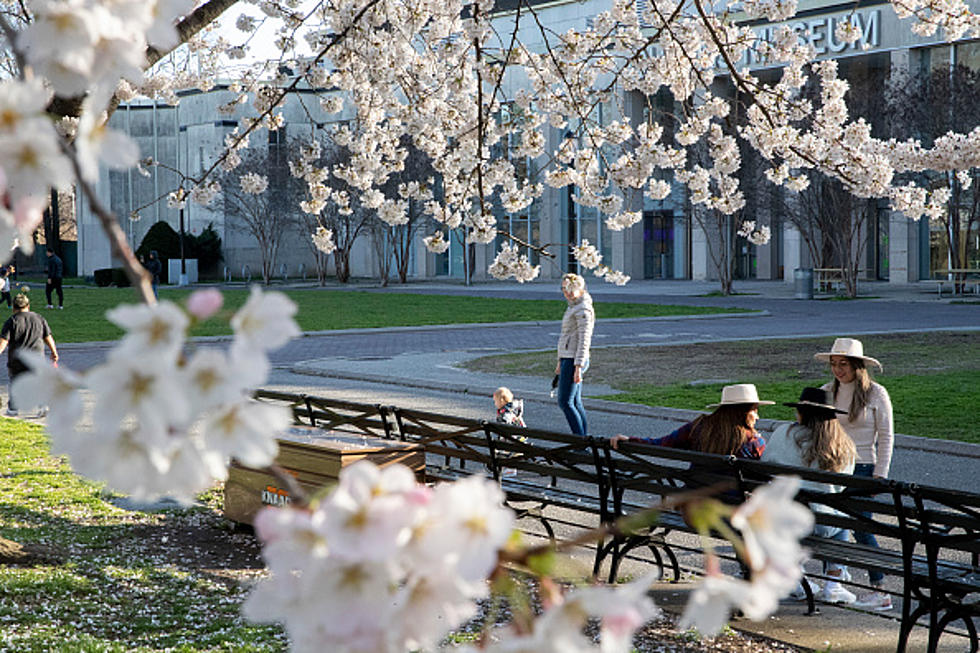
(314, 457)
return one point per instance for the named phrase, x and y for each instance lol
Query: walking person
(573, 350)
(56, 270)
(5, 274)
(24, 330)
(729, 430)
(154, 267)
(817, 440)
(868, 422)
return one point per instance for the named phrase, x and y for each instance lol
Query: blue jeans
(832, 533)
(570, 396)
(867, 470)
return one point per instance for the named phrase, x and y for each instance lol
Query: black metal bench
(930, 537)
(556, 479)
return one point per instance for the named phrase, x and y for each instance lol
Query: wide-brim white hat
(740, 393)
(850, 347)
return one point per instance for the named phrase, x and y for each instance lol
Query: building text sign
(819, 32)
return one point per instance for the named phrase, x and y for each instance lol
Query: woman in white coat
(868, 421)
(573, 351)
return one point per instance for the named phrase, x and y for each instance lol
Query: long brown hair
(822, 439)
(862, 388)
(725, 430)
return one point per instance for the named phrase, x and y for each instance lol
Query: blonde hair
(503, 394)
(862, 388)
(822, 439)
(572, 281)
(725, 430)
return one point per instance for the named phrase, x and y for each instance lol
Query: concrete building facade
(668, 243)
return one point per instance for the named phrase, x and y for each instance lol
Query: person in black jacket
(154, 267)
(56, 270)
(24, 330)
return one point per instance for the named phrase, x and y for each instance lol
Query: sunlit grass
(109, 593)
(930, 377)
(83, 319)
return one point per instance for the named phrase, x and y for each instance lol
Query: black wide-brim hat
(816, 398)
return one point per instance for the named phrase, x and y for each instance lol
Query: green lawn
(931, 377)
(123, 584)
(83, 320)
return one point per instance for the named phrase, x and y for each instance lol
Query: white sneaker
(877, 601)
(799, 594)
(50, 306)
(834, 593)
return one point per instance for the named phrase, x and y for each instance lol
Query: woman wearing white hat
(816, 440)
(868, 421)
(729, 430)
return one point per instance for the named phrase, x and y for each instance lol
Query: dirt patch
(27, 555)
(212, 546)
(763, 360)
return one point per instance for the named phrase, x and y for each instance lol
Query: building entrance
(658, 244)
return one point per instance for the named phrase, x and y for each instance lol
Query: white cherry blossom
(265, 322)
(158, 329)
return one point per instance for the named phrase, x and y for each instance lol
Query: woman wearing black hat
(817, 441)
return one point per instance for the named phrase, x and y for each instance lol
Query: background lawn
(932, 377)
(83, 319)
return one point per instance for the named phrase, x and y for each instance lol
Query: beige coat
(576, 330)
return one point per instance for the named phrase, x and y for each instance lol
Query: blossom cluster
(323, 240)
(161, 421)
(771, 524)
(755, 235)
(381, 563)
(385, 564)
(511, 263)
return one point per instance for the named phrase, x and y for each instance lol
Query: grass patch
(115, 589)
(83, 319)
(928, 375)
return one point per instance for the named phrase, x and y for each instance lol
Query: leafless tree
(393, 243)
(926, 107)
(346, 224)
(268, 216)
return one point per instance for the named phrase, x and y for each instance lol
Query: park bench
(959, 280)
(930, 537)
(557, 481)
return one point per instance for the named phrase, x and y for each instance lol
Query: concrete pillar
(903, 240)
(792, 251)
(680, 246)
(702, 268)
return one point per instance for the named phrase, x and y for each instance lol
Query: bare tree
(346, 223)
(927, 107)
(267, 216)
(414, 184)
(834, 225)
(307, 225)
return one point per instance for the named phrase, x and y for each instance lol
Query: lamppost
(183, 260)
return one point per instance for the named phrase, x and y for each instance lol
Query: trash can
(803, 283)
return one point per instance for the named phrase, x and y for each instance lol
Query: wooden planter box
(314, 457)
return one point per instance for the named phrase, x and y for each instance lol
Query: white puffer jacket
(576, 330)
